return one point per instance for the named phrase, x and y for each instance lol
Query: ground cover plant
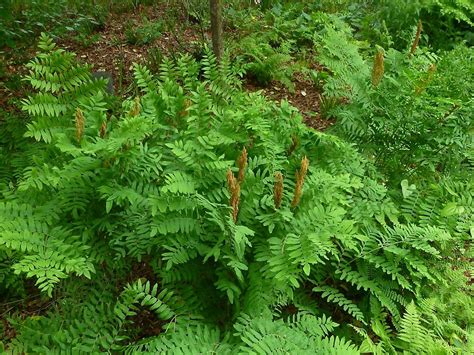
(199, 212)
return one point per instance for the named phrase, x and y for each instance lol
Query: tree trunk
(216, 28)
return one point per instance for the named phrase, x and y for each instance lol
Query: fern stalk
(293, 146)
(300, 175)
(79, 124)
(427, 80)
(242, 164)
(234, 189)
(378, 69)
(278, 189)
(417, 38)
(103, 129)
(135, 111)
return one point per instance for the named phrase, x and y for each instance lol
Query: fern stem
(300, 176)
(234, 189)
(417, 38)
(79, 124)
(378, 68)
(242, 164)
(278, 189)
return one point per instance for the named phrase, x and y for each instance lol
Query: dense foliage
(201, 218)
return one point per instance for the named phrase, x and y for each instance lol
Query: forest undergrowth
(174, 210)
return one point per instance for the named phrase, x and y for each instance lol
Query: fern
(333, 295)
(167, 209)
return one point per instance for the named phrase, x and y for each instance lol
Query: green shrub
(145, 33)
(86, 40)
(264, 63)
(417, 120)
(154, 59)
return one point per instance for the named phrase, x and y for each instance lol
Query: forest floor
(109, 51)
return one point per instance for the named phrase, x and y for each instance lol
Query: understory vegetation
(193, 209)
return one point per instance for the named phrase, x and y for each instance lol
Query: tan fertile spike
(80, 122)
(103, 129)
(135, 111)
(278, 189)
(417, 38)
(300, 176)
(378, 69)
(234, 189)
(242, 163)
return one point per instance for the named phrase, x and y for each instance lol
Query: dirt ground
(111, 53)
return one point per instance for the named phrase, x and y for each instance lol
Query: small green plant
(144, 33)
(265, 63)
(154, 59)
(123, 6)
(86, 40)
(318, 77)
(327, 105)
(115, 41)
